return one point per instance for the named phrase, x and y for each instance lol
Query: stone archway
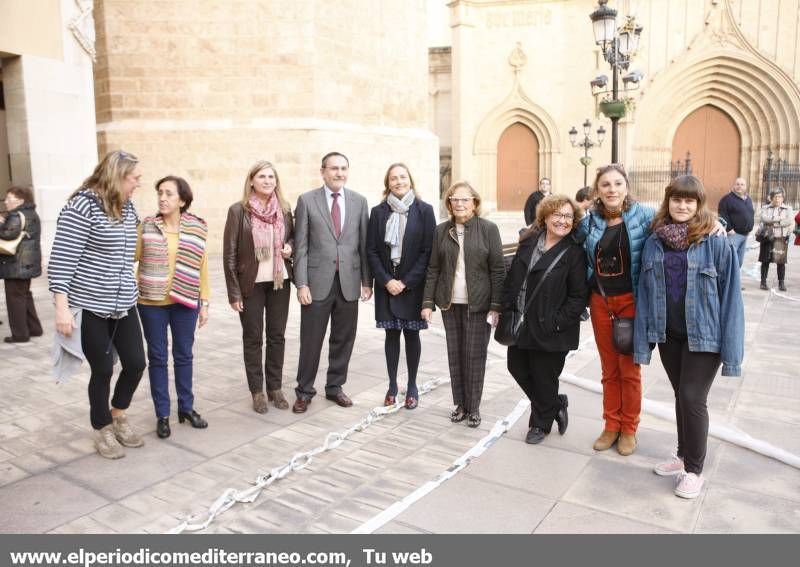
(517, 167)
(712, 138)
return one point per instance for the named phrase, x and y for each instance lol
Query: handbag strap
(544, 277)
(605, 297)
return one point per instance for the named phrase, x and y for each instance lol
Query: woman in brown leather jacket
(465, 280)
(257, 247)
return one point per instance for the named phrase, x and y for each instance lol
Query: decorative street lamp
(619, 46)
(586, 143)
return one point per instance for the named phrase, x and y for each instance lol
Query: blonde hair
(386, 178)
(452, 189)
(106, 181)
(248, 189)
(548, 206)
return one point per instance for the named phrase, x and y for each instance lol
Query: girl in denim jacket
(689, 303)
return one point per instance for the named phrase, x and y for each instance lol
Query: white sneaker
(689, 485)
(669, 468)
(106, 443)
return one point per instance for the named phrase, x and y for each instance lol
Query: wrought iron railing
(780, 173)
(648, 181)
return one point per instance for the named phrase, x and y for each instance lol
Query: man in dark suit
(331, 273)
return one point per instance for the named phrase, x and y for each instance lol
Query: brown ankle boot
(277, 398)
(259, 402)
(606, 440)
(626, 444)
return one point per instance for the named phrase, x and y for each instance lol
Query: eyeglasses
(563, 216)
(462, 200)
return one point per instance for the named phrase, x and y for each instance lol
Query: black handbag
(763, 234)
(621, 327)
(511, 321)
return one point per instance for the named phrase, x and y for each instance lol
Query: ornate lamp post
(586, 143)
(619, 46)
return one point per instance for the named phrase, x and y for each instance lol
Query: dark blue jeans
(182, 321)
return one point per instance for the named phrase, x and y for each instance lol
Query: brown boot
(606, 440)
(626, 444)
(277, 398)
(259, 402)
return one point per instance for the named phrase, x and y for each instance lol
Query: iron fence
(648, 181)
(780, 173)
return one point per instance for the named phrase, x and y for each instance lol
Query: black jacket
(417, 243)
(553, 320)
(530, 206)
(483, 259)
(27, 263)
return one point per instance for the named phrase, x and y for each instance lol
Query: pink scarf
(268, 234)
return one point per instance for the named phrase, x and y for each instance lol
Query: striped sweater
(179, 280)
(92, 256)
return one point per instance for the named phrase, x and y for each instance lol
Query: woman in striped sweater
(173, 293)
(91, 277)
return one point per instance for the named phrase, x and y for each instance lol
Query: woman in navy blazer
(399, 240)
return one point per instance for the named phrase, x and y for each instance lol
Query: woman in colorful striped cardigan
(173, 292)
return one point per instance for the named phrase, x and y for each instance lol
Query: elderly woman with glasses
(548, 270)
(465, 280)
(775, 228)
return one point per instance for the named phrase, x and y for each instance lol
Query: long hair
(687, 187)
(601, 171)
(255, 168)
(452, 189)
(386, 178)
(547, 207)
(106, 181)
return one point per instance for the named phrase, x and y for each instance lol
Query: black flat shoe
(562, 417)
(535, 436)
(162, 428)
(458, 414)
(194, 418)
(15, 340)
(474, 420)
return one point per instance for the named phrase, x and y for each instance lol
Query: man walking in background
(737, 210)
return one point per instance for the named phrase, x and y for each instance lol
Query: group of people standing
(665, 270)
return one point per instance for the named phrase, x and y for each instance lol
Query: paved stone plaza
(51, 480)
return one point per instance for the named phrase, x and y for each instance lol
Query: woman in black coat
(17, 270)
(552, 322)
(399, 240)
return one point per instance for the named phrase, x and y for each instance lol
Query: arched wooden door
(517, 167)
(715, 145)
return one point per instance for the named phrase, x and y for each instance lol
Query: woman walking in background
(465, 280)
(92, 280)
(257, 246)
(18, 270)
(690, 304)
(775, 228)
(550, 264)
(173, 294)
(399, 240)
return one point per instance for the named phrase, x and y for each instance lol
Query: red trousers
(622, 378)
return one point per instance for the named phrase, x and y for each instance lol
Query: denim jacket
(714, 307)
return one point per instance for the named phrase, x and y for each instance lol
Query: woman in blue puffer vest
(615, 231)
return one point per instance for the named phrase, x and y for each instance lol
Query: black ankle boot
(162, 428)
(781, 285)
(194, 418)
(764, 284)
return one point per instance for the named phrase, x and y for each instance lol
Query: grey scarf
(396, 225)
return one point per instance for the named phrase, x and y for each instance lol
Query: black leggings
(97, 336)
(691, 375)
(413, 352)
(765, 271)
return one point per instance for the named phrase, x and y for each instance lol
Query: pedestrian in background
(690, 305)
(173, 294)
(465, 280)
(775, 228)
(399, 240)
(534, 199)
(94, 287)
(257, 247)
(736, 209)
(550, 263)
(26, 264)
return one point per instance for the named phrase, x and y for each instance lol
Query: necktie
(336, 215)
